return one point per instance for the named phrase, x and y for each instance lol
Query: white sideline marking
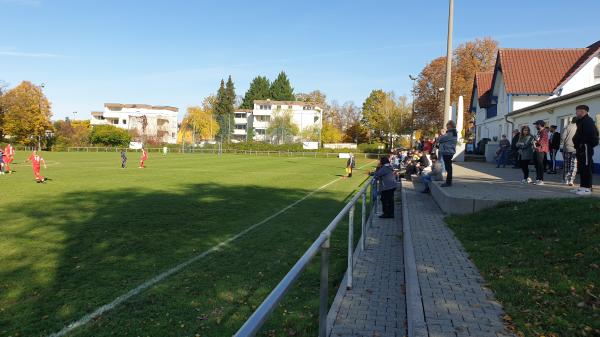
(149, 283)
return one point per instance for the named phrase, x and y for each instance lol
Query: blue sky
(175, 52)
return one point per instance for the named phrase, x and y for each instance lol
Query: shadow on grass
(67, 256)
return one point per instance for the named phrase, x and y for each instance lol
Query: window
(115, 121)
(260, 118)
(240, 127)
(261, 131)
(240, 115)
(597, 74)
(307, 107)
(264, 107)
(124, 121)
(279, 107)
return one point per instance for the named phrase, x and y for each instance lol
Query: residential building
(535, 84)
(304, 115)
(155, 122)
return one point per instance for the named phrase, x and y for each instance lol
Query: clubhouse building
(535, 84)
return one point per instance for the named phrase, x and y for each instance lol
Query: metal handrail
(322, 244)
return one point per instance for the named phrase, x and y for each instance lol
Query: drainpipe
(512, 125)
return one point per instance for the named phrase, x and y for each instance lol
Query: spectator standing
(503, 152)
(123, 158)
(585, 139)
(540, 147)
(385, 175)
(514, 151)
(554, 147)
(569, 153)
(525, 147)
(447, 144)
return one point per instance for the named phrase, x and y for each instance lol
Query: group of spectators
(578, 142)
(429, 161)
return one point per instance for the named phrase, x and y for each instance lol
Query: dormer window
(597, 74)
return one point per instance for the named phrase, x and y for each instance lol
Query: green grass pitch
(95, 231)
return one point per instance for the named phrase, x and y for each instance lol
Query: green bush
(109, 135)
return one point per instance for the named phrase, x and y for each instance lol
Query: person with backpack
(585, 139)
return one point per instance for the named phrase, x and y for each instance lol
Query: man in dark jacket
(514, 152)
(554, 147)
(585, 139)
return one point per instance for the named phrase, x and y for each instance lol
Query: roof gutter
(512, 125)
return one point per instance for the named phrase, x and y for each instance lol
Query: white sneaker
(539, 182)
(523, 181)
(584, 192)
(577, 190)
(529, 181)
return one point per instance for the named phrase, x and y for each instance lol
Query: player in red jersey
(9, 156)
(36, 162)
(143, 158)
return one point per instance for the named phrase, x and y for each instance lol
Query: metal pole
(363, 228)
(350, 246)
(448, 61)
(324, 292)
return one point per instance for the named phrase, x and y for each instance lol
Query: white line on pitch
(149, 283)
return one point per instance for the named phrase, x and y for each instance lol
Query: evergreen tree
(259, 89)
(281, 90)
(224, 109)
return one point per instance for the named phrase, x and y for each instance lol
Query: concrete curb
(415, 317)
(458, 205)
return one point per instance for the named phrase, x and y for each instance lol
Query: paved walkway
(485, 181)
(375, 306)
(455, 301)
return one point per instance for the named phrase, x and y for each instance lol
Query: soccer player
(123, 158)
(9, 156)
(144, 158)
(36, 162)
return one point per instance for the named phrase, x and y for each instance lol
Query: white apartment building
(160, 121)
(304, 115)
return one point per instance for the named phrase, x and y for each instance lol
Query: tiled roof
(483, 81)
(591, 51)
(536, 71)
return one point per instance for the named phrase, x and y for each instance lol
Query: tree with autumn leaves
(468, 58)
(25, 114)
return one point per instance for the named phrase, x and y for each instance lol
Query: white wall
(583, 78)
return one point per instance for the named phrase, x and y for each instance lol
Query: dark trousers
(539, 160)
(524, 164)
(585, 165)
(448, 166)
(387, 202)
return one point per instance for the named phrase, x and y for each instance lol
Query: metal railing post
(350, 246)
(363, 228)
(324, 291)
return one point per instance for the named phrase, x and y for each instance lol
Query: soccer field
(96, 231)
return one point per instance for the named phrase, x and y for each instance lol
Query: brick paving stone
(376, 306)
(455, 301)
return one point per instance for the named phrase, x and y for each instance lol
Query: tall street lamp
(449, 60)
(412, 115)
(42, 85)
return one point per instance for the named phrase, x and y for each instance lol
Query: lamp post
(449, 59)
(412, 118)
